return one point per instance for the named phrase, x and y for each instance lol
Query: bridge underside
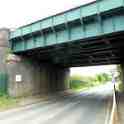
(102, 50)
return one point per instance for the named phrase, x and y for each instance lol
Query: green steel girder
(98, 18)
(68, 55)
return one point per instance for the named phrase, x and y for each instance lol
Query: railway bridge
(91, 34)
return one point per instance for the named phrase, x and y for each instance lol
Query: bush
(120, 87)
(85, 82)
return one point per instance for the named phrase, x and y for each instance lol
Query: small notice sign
(18, 78)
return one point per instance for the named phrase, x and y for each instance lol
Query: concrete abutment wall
(36, 78)
(27, 76)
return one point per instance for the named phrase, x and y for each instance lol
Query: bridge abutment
(29, 77)
(25, 76)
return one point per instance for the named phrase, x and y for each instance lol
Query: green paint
(3, 83)
(67, 26)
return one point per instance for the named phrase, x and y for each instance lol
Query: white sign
(18, 78)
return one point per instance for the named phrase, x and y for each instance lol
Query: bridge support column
(29, 77)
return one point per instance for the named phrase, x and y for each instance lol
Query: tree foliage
(84, 82)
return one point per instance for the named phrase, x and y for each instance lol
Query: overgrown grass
(7, 102)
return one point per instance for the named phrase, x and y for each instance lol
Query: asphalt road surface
(89, 107)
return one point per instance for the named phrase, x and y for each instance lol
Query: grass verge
(7, 102)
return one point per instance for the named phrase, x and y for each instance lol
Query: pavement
(89, 107)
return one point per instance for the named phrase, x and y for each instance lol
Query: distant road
(89, 107)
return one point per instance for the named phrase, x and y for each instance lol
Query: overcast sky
(15, 13)
(93, 70)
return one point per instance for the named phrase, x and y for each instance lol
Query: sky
(16, 13)
(93, 70)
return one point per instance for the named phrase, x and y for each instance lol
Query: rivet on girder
(42, 34)
(99, 17)
(53, 29)
(67, 26)
(23, 39)
(32, 36)
(82, 23)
